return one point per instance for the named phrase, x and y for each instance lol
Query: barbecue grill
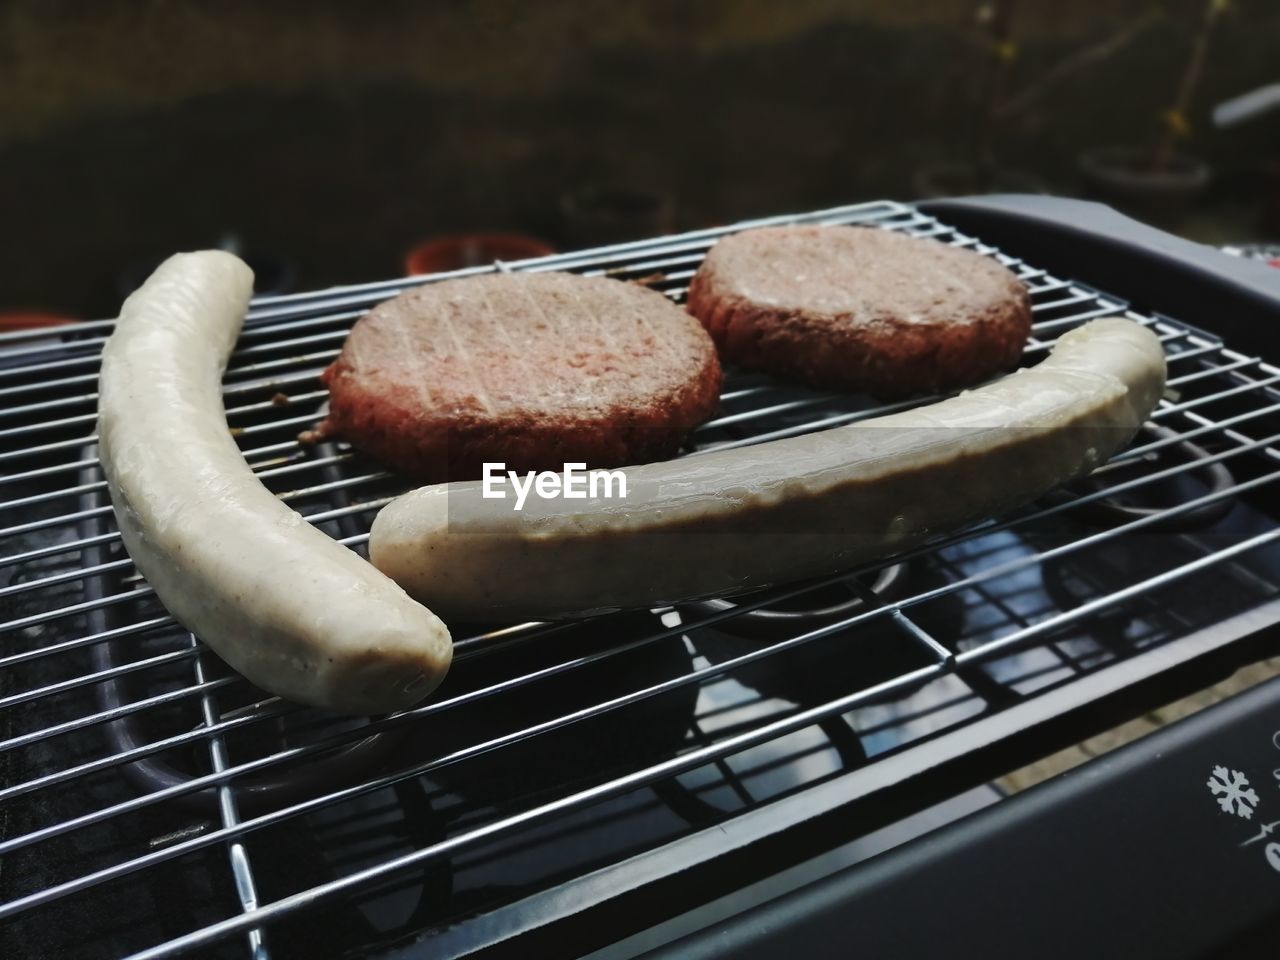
(574, 785)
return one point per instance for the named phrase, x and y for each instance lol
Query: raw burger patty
(855, 308)
(531, 369)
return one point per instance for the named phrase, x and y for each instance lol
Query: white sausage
(730, 521)
(295, 612)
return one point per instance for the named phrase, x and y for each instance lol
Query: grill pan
(568, 780)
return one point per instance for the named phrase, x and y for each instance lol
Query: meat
(531, 369)
(296, 613)
(726, 522)
(855, 308)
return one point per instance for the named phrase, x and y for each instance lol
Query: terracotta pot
(471, 250)
(11, 320)
(1123, 177)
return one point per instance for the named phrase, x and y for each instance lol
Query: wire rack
(154, 803)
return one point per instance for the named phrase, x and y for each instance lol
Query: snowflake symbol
(1231, 787)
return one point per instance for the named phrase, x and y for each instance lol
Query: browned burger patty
(531, 369)
(855, 308)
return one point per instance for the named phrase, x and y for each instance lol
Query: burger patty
(531, 369)
(856, 308)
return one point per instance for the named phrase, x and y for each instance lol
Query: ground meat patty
(531, 369)
(850, 308)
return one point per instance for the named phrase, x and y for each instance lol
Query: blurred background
(329, 141)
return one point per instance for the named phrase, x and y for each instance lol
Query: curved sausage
(726, 522)
(295, 612)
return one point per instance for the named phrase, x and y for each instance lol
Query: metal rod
(80, 723)
(228, 809)
(1212, 371)
(31, 501)
(26, 586)
(1064, 323)
(1220, 395)
(62, 686)
(46, 616)
(271, 709)
(132, 629)
(1006, 644)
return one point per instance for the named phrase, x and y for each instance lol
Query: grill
(570, 779)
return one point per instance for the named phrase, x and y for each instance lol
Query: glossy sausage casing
(295, 612)
(726, 522)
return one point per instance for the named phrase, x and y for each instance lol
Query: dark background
(335, 135)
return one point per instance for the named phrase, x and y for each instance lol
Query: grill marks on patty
(855, 308)
(532, 369)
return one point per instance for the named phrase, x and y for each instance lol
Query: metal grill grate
(153, 802)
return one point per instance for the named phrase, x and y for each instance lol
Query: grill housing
(154, 802)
